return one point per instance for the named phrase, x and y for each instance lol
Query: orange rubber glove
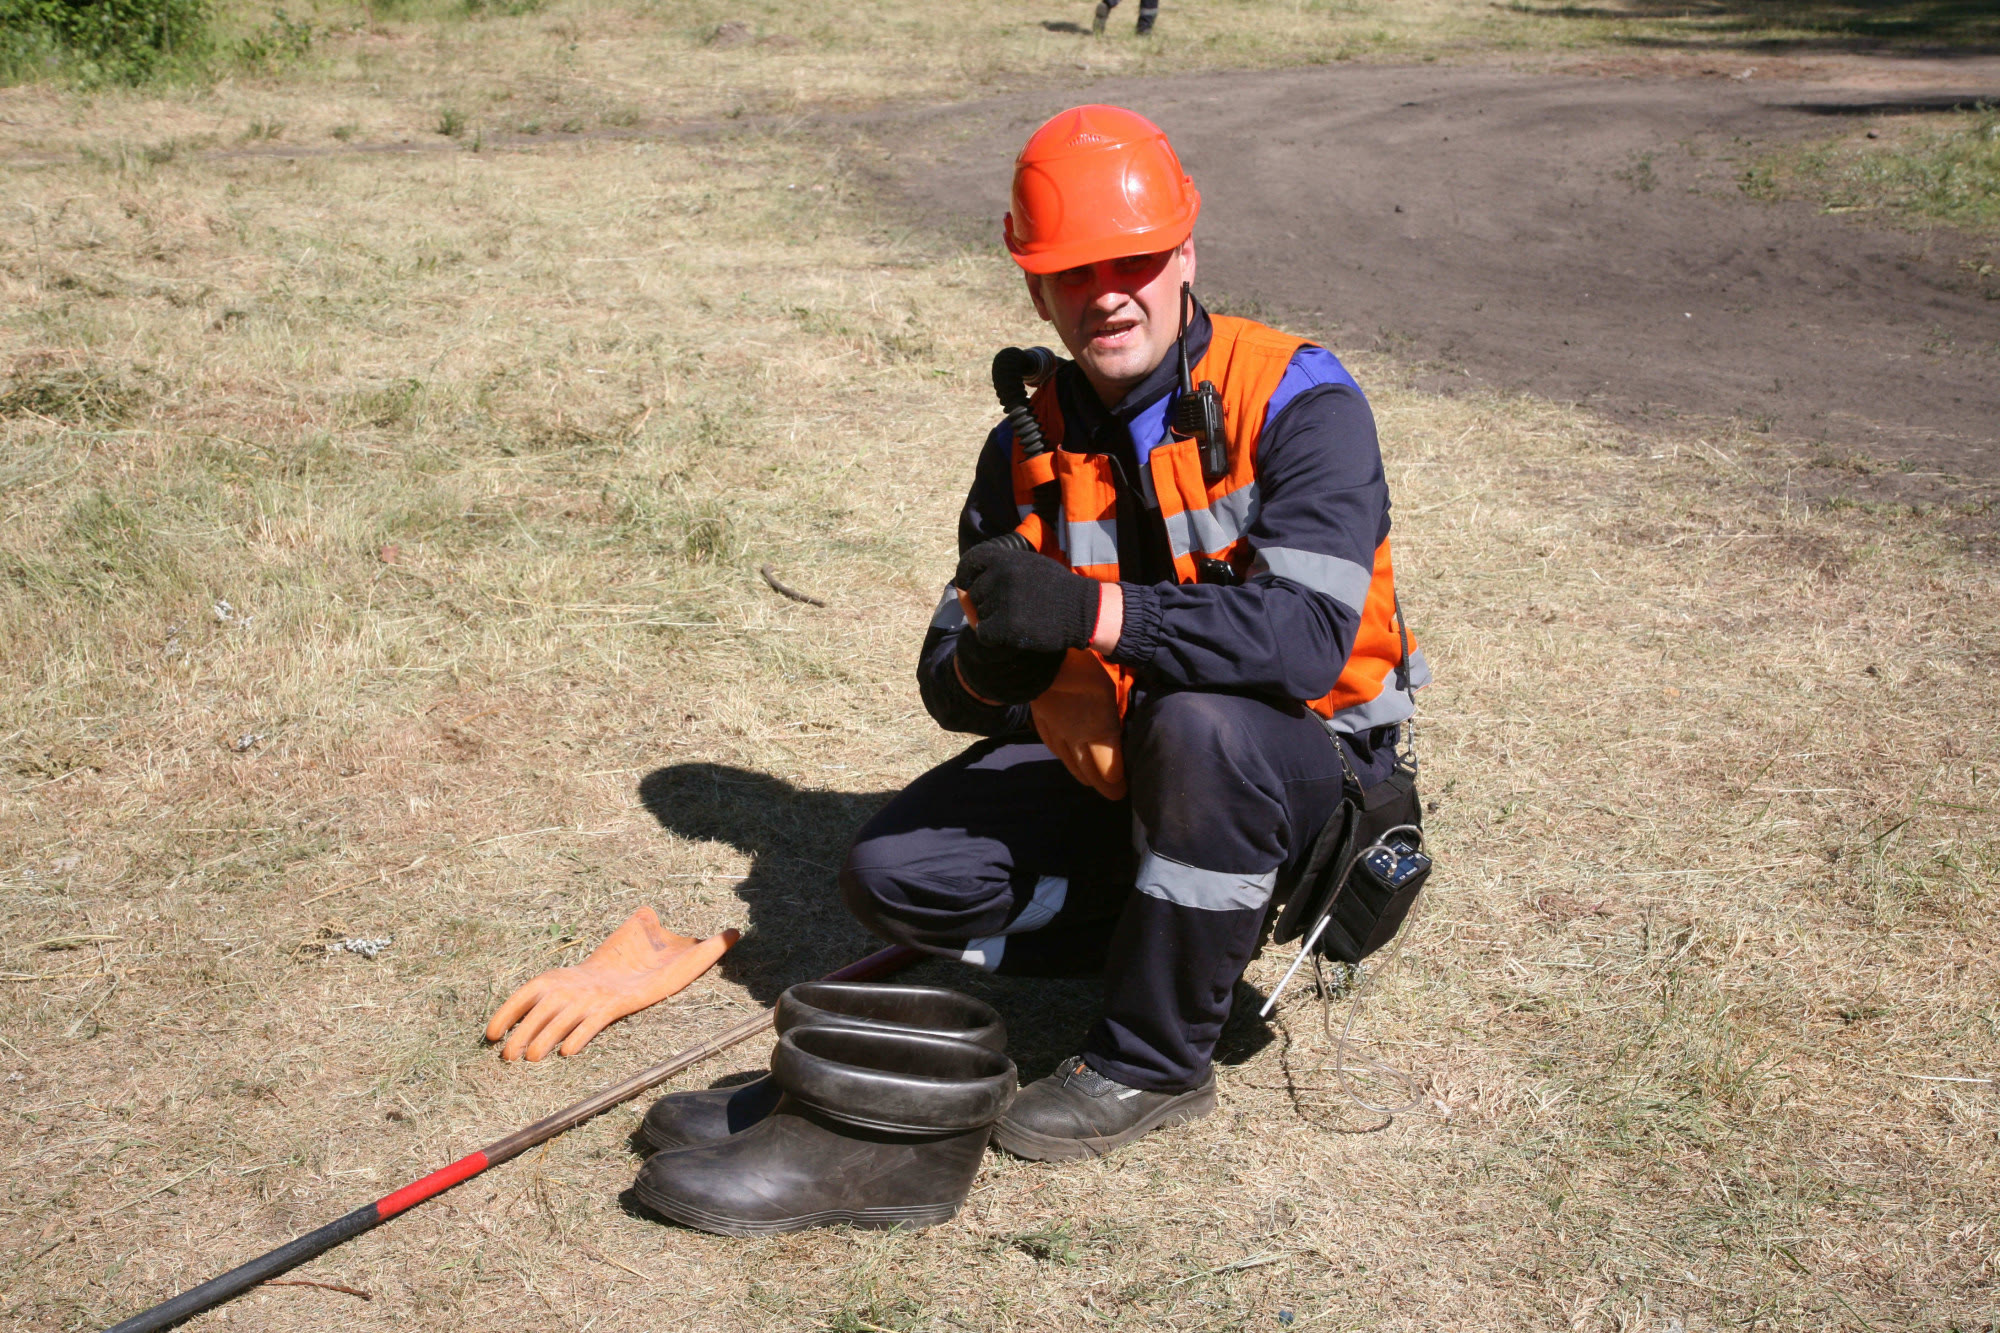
(640, 963)
(1079, 719)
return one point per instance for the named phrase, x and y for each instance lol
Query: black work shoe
(1145, 24)
(876, 1129)
(1077, 1112)
(683, 1118)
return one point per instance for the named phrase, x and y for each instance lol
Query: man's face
(1118, 318)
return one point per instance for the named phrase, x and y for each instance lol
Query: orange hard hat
(1095, 183)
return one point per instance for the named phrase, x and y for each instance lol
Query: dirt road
(1580, 236)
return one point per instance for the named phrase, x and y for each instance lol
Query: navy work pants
(1002, 859)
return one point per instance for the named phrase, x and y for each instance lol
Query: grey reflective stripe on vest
(1343, 580)
(1217, 528)
(1168, 880)
(1093, 542)
(1393, 704)
(1420, 670)
(950, 613)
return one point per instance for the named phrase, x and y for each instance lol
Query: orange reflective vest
(1247, 362)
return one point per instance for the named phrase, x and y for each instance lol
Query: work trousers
(1003, 860)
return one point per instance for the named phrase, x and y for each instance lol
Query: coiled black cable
(1015, 371)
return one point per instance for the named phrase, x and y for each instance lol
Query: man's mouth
(1113, 333)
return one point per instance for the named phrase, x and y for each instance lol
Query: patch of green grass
(104, 41)
(282, 41)
(94, 43)
(113, 544)
(1947, 170)
(73, 397)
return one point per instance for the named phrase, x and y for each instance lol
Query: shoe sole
(1048, 1148)
(867, 1219)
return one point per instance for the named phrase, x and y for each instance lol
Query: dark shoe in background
(1098, 20)
(874, 1128)
(1077, 1112)
(683, 1118)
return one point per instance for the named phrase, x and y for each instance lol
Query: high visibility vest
(1247, 362)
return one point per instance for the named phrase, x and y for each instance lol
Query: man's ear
(1035, 295)
(1187, 259)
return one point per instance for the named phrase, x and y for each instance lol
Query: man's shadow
(797, 929)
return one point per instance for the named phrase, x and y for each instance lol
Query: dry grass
(1911, 171)
(378, 559)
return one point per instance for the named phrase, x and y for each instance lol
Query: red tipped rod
(238, 1280)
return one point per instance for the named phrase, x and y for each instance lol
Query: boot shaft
(874, 1129)
(893, 1082)
(858, 1004)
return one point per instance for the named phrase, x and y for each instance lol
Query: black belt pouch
(1365, 916)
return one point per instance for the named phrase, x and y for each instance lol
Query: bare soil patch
(1580, 238)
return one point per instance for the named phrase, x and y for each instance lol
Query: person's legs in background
(1149, 12)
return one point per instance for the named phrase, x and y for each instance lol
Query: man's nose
(1106, 291)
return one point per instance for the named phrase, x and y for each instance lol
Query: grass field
(379, 560)
(1939, 169)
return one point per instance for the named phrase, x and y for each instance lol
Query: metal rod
(1305, 951)
(290, 1255)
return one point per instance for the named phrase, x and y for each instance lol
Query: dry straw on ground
(380, 561)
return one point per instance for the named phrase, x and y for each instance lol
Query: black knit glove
(1004, 675)
(1025, 600)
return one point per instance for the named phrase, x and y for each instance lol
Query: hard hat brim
(1096, 249)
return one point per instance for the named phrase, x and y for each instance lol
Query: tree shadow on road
(1932, 27)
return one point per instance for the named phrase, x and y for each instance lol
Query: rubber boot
(873, 1128)
(684, 1118)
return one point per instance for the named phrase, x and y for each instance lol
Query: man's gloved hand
(1003, 675)
(1024, 600)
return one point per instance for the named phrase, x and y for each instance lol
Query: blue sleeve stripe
(1311, 366)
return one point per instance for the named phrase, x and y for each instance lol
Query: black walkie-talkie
(1198, 410)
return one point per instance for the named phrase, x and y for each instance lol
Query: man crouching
(1174, 618)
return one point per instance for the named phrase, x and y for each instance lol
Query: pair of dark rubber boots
(876, 1113)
